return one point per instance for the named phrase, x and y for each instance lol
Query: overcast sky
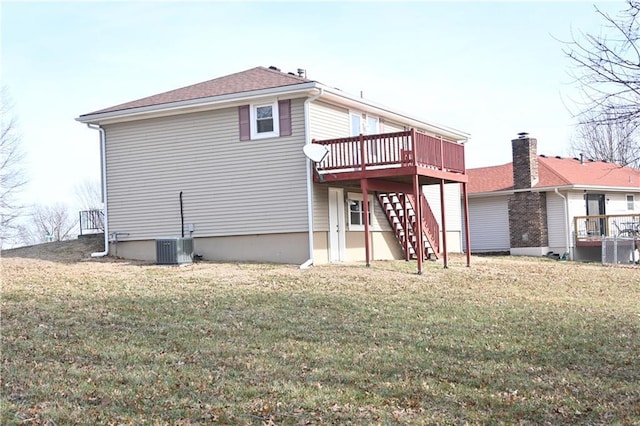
(489, 69)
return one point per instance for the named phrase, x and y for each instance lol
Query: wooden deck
(396, 166)
(392, 156)
(589, 230)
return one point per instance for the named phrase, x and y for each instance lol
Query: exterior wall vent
(174, 251)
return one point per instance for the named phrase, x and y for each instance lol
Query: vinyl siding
(452, 204)
(325, 122)
(556, 222)
(320, 208)
(229, 187)
(328, 121)
(391, 127)
(617, 203)
(577, 206)
(379, 219)
(453, 210)
(489, 224)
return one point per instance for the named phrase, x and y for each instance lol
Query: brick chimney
(527, 209)
(525, 161)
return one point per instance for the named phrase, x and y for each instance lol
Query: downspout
(566, 223)
(103, 166)
(307, 141)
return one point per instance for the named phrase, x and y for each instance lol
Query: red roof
(554, 171)
(244, 81)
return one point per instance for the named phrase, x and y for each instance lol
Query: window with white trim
(373, 125)
(631, 202)
(364, 123)
(355, 212)
(356, 123)
(265, 122)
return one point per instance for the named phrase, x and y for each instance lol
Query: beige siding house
(222, 162)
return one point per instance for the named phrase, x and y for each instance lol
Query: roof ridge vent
(274, 68)
(558, 157)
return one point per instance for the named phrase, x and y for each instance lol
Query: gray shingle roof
(243, 81)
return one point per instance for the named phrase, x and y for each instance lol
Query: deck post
(365, 212)
(467, 230)
(418, 226)
(363, 155)
(445, 256)
(414, 148)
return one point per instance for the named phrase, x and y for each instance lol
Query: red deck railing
(400, 149)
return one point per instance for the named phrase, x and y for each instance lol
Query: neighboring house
(223, 162)
(539, 204)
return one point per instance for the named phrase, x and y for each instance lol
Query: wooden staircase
(400, 210)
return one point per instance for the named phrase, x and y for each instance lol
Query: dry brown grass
(59, 251)
(510, 340)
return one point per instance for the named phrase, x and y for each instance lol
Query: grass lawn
(509, 340)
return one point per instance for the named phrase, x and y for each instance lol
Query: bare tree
(12, 174)
(27, 235)
(607, 68)
(89, 194)
(50, 223)
(614, 141)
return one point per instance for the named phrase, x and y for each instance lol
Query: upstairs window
(356, 124)
(364, 123)
(265, 120)
(373, 125)
(631, 202)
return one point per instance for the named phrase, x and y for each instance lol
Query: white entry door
(336, 225)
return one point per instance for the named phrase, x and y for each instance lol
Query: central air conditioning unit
(174, 251)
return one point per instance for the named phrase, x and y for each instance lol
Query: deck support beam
(365, 212)
(418, 224)
(467, 230)
(445, 256)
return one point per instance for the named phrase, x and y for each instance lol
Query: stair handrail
(430, 222)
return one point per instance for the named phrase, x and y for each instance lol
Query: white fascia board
(560, 188)
(601, 188)
(195, 105)
(343, 98)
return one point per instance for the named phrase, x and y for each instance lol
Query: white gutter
(103, 166)
(566, 223)
(549, 188)
(307, 141)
